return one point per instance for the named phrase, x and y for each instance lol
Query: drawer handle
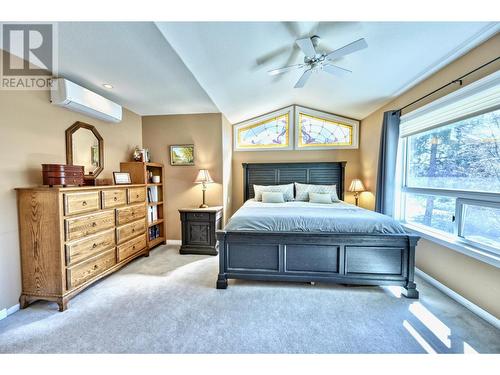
(84, 203)
(137, 195)
(133, 229)
(115, 199)
(94, 246)
(133, 213)
(96, 266)
(133, 247)
(94, 224)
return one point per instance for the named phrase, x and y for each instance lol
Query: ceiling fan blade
(284, 69)
(336, 70)
(268, 57)
(293, 28)
(303, 79)
(306, 46)
(347, 49)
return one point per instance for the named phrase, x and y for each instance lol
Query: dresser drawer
(82, 226)
(77, 203)
(131, 213)
(85, 271)
(113, 198)
(136, 195)
(131, 247)
(131, 230)
(90, 246)
(198, 216)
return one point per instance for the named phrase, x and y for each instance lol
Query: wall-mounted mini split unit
(71, 96)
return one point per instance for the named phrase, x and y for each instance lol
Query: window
(270, 131)
(317, 130)
(314, 130)
(450, 166)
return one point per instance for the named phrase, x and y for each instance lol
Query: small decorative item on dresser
(121, 178)
(203, 178)
(137, 154)
(356, 187)
(182, 155)
(198, 230)
(62, 174)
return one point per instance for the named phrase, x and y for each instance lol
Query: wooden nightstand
(198, 230)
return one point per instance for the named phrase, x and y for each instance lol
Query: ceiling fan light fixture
(315, 61)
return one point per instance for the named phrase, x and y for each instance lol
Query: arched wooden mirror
(85, 146)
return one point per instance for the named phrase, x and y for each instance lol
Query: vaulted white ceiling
(189, 67)
(225, 57)
(147, 74)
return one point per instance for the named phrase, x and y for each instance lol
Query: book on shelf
(152, 194)
(152, 213)
(154, 232)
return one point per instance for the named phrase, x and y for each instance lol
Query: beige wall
(239, 157)
(476, 281)
(471, 278)
(227, 157)
(32, 133)
(205, 132)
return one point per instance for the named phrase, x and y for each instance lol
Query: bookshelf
(140, 173)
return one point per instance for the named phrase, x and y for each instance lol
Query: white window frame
(326, 116)
(263, 118)
(456, 241)
(294, 112)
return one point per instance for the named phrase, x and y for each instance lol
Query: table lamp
(203, 178)
(356, 187)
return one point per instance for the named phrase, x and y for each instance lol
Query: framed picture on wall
(181, 155)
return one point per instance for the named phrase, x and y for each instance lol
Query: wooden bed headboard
(324, 173)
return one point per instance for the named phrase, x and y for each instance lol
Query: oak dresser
(71, 237)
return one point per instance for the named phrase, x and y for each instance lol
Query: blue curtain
(384, 201)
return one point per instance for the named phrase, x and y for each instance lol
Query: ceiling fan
(317, 62)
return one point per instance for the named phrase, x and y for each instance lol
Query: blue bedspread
(310, 217)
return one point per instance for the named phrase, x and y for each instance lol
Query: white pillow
(319, 198)
(287, 191)
(268, 197)
(302, 191)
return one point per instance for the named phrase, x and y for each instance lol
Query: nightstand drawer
(198, 216)
(198, 233)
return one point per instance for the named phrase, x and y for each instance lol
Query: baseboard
(461, 300)
(174, 242)
(6, 312)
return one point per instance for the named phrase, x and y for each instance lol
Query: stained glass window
(319, 132)
(271, 133)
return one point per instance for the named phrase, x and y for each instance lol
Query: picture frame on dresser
(121, 178)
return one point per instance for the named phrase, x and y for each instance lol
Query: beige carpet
(167, 303)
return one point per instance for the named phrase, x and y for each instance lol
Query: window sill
(455, 244)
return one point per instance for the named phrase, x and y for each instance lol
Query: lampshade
(203, 177)
(356, 185)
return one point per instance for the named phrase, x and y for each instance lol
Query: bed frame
(345, 258)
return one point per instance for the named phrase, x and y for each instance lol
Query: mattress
(339, 217)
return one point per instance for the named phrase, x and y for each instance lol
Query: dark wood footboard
(346, 258)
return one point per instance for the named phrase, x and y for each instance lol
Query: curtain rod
(458, 80)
